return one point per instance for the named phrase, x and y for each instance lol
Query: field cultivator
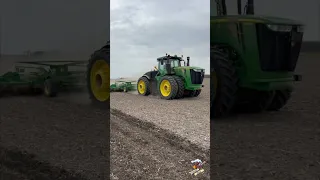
(123, 86)
(48, 77)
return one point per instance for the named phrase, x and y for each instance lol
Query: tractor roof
(168, 57)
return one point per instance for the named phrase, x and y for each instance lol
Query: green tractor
(172, 80)
(98, 77)
(253, 59)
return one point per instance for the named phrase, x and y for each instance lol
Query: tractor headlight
(280, 28)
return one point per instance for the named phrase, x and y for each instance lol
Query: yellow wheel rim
(215, 84)
(165, 88)
(100, 80)
(141, 87)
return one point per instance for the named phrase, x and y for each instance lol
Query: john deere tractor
(172, 80)
(98, 76)
(253, 59)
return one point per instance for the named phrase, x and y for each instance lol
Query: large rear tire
(168, 88)
(98, 78)
(181, 88)
(280, 99)
(143, 86)
(224, 84)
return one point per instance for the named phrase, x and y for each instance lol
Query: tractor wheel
(50, 88)
(143, 86)
(168, 87)
(196, 93)
(254, 101)
(280, 99)
(223, 83)
(180, 87)
(98, 78)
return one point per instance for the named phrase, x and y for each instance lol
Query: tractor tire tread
(174, 87)
(181, 88)
(103, 53)
(147, 83)
(227, 85)
(280, 99)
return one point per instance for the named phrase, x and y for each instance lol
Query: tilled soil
(279, 145)
(188, 117)
(140, 150)
(70, 137)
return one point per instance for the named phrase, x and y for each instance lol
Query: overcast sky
(143, 30)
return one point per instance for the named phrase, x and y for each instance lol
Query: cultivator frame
(49, 77)
(123, 86)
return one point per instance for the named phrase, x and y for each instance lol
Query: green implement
(123, 86)
(48, 77)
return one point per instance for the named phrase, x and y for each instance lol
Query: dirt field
(140, 150)
(188, 117)
(63, 140)
(281, 145)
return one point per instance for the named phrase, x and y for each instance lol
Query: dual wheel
(227, 97)
(98, 78)
(170, 87)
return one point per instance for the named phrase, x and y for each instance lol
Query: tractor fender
(146, 76)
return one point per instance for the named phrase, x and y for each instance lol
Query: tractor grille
(196, 76)
(279, 51)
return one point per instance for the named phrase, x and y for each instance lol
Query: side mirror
(188, 61)
(161, 62)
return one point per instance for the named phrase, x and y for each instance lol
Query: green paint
(240, 34)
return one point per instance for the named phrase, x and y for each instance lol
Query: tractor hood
(255, 19)
(188, 67)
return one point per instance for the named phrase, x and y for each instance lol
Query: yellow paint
(100, 80)
(141, 87)
(165, 88)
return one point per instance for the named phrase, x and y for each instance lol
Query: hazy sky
(142, 31)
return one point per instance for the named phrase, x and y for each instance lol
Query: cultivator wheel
(143, 86)
(279, 100)
(50, 88)
(224, 82)
(180, 83)
(98, 78)
(168, 87)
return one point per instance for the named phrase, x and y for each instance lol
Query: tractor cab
(167, 63)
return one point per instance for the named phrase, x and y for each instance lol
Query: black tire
(227, 84)
(147, 83)
(279, 100)
(50, 88)
(174, 88)
(197, 93)
(102, 54)
(254, 101)
(180, 83)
